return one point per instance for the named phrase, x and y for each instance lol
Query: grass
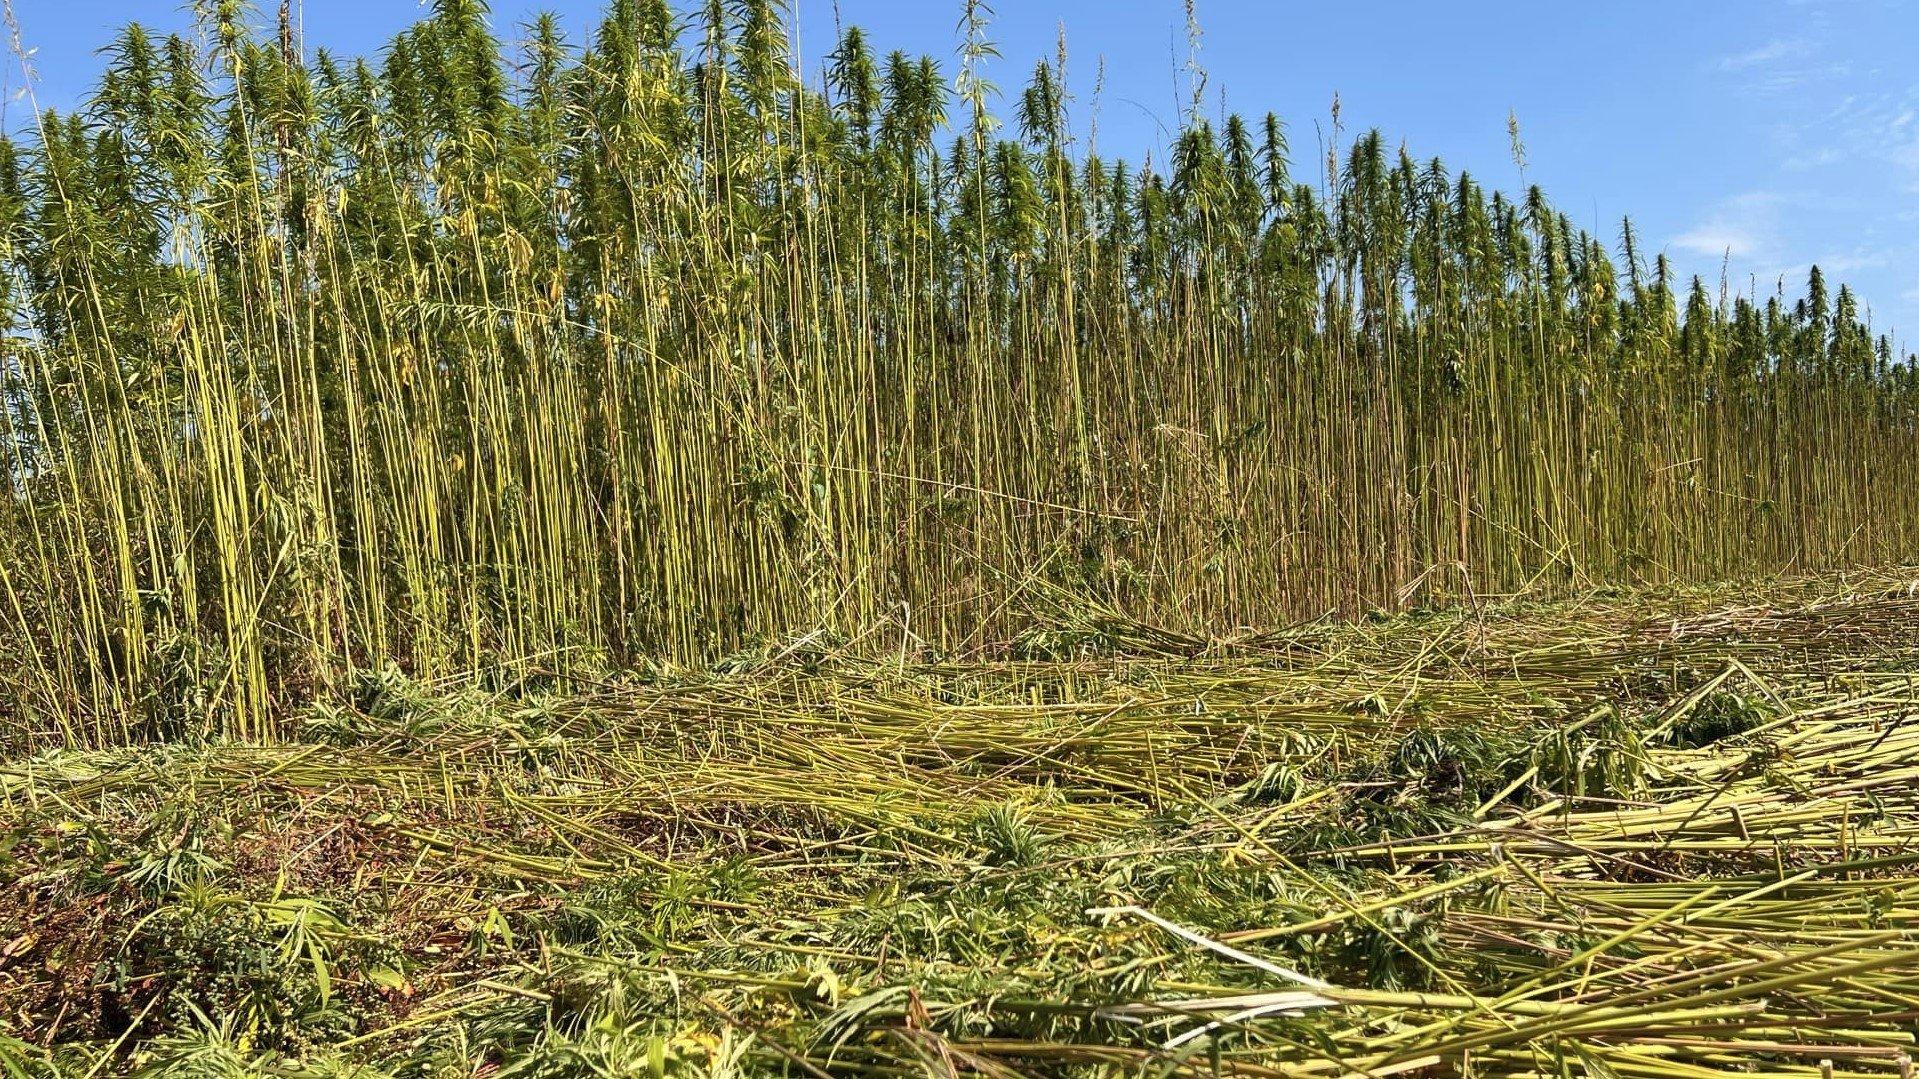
(1662, 833)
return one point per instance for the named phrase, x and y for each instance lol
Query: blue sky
(1761, 137)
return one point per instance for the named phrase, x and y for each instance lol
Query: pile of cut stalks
(1670, 833)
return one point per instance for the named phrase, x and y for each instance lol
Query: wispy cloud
(1785, 64)
(1835, 264)
(1906, 156)
(1758, 237)
(1870, 133)
(1714, 240)
(1813, 159)
(1771, 52)
(1843, 111)
(1742, 227)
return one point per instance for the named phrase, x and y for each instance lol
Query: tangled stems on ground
(1663, 834)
